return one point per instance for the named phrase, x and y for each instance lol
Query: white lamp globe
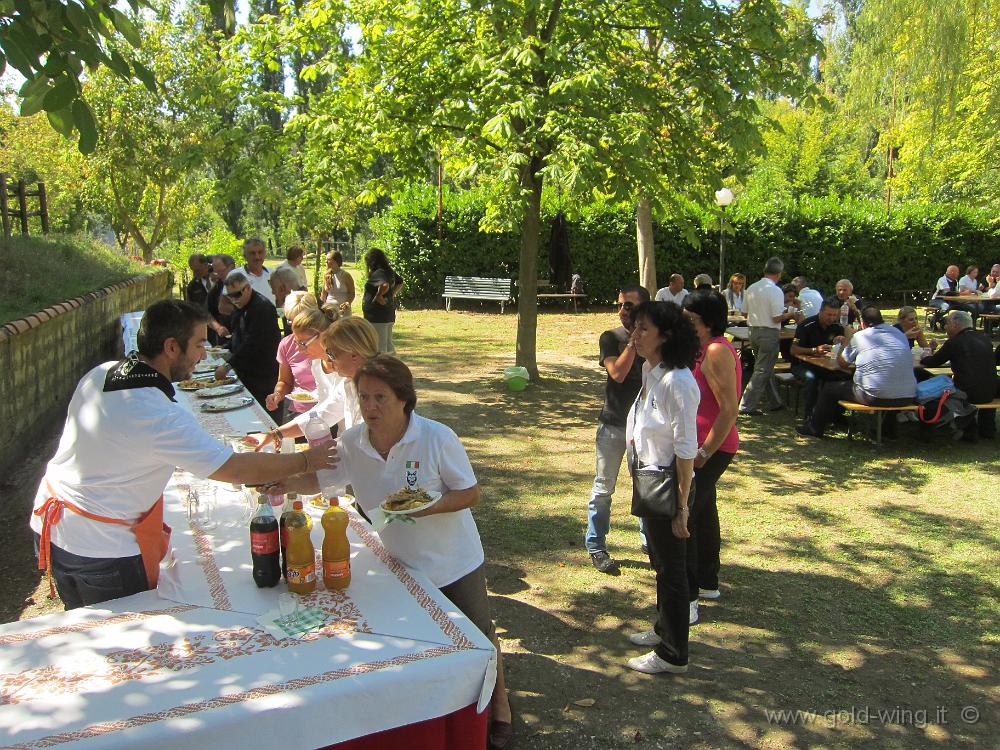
(723, 197)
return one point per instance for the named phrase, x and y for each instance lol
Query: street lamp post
(723, 198)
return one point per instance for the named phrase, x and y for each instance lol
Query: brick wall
(44, 355)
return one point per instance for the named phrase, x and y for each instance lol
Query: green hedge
(824, 239)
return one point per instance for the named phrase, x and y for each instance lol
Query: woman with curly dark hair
(662, 431)
(379, 303)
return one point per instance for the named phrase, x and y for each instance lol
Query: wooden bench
(476, 287)
(567, 296)
(878, 411)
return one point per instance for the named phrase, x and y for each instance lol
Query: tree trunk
(647, 254)
(527, 302)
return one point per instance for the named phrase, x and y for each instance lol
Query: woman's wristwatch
(702, 452)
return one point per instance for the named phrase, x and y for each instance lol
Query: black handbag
(654, 489)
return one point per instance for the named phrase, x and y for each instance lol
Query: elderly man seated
(948, 286)
(972, 362)
(814, 337)
(674, 291)
(883, 374)
(844, 291)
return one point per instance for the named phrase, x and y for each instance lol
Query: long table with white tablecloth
(190, 662)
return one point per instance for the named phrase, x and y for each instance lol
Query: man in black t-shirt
(624, 370)
(815, 336)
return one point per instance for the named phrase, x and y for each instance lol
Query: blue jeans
(610, 451)
(83, 581)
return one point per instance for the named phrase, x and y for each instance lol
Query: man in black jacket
(201, 282)
(973, 364)
(255, 338)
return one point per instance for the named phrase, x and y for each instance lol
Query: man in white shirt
(253, 255)
(293, 260)
(674, 291)
(765, 306)
(811, 300)
(98, 512)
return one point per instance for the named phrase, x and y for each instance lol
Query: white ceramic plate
(435, 496)
(222, 390)
(227, 404)
(302, 397)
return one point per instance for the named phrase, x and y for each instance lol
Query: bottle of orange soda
(336, 550)
(300, 554)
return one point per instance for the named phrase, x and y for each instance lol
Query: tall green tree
(526, 92)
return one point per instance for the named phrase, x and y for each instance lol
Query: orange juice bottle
(336, 550)
(301, 557)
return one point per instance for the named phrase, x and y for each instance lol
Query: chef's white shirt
(115, 457)
(444, 546)
(765, 301)
(663, 421)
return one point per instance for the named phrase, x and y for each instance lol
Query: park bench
(567, 296)
(879, 411)
(476, 287)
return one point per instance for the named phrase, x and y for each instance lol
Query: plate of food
(227, 404)
(302, 397)
(196, 384)
(221, 390)
(322, 503)
(409, 500)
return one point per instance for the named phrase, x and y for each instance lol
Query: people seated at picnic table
(98, 511)
(662, 431)
(765, 306)
(810, 300)
(395, 448)
(815, 336)
(734, 294)
(338, 284)
(844, 291)
(970, 282)
(973, 365)
(253, 266)
(702, 281)
(196, 291)
(947, 286)
(718, 372)
(219, 307)
(255, 339)
(293, 260)
(883, 374)
(674, 291)
(993, 282)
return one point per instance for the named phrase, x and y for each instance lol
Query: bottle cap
(262, 499)
(297, 505)
(292, 495)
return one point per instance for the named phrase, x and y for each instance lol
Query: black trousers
(82, 581)
(668, 556)
(705, 542)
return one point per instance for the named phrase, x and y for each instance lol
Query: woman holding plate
(294, 363)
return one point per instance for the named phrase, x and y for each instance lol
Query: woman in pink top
(718, 374)
(294, 361)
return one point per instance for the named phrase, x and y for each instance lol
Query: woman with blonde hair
(347, 344)
(294, 365)
(733, 293)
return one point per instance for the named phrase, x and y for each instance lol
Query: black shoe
(604, 563)
(807, 430)
(751, 413)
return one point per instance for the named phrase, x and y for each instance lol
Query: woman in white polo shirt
(662, 430)
(396, 448)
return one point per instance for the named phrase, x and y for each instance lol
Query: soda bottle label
(302, 574)
(263, 543)
(336, 568)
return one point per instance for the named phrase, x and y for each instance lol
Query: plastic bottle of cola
(317, 433)
(264, 545)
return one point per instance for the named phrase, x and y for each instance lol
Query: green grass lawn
(853, 576)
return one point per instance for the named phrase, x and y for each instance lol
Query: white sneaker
(649, 638)
(693, 612)
(709, 593)
(652, 664)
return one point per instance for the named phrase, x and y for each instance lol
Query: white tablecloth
(189, 662)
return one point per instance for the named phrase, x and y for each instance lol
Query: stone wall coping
(33, 320)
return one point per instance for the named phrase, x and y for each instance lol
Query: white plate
(221, 390)
(227, 404)
(435, 496)
(308, 402)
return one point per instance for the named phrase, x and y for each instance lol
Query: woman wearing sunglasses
(346, 345)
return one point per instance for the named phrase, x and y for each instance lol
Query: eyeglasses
(627, 306)
(306, 344)
(236, 295)
(331, 356)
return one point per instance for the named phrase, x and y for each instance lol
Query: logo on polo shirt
(411, 473)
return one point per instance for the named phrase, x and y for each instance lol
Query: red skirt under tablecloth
(462, 730)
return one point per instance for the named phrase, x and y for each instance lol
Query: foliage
(824, 239)
(35, 272)
(50, 43)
